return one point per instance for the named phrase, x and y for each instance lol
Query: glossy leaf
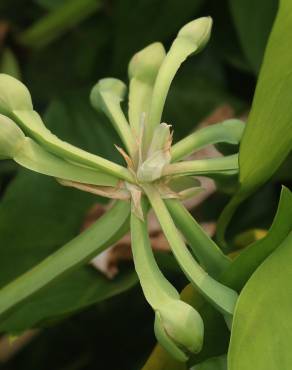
(262, 326)
(267, 139)
(250, 258)
(216, 363)
(253, 31)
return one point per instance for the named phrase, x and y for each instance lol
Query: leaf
(131, 26)
(250, 258)
(50, 4)
(162, 360)
(57, 22)
(267, 139)
(58, 212)
(253, 31)
(216, 363)
(262, 327)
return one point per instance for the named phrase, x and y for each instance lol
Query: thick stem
(229, 131)
(204, 248)
(224, 165)
(222, 297)
(107, 230)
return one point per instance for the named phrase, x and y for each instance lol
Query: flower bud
(11, 137)
(179, 328)
(111, 87)
(145, 64)
(197, 32)
(13, 95)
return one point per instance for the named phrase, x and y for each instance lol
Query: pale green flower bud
(179, 328)
(13, 95)
(145, 64)
(113, 88)
(11, 137)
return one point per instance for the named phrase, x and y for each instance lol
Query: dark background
(59, 64)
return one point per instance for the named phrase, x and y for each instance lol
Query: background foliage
(60, 51)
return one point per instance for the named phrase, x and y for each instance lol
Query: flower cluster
(155, 176)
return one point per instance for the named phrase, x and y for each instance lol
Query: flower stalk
(154, 176)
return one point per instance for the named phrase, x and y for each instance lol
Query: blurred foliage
(116, 333)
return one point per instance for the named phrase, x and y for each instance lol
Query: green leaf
(267, 139)
(251, 257)
(262, 327)
(216, 363)
(253, 31)
(58, 213)
(57, 22)
(106, 231)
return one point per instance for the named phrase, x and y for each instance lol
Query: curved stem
(114, 112)
(204, 248)
(229, 131)
(32, 124)
(222, 297)
(107, 230)
(178, 326)
(226, 165)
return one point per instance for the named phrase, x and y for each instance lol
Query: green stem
(33, 126)
(156, 288)
(107, 230)
(58, 22)
(225, 165)
(204, 248)
(229, 131)
(190, 39)
(116, 115)
(178, 326)
(222, 297)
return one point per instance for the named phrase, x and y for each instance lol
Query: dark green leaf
(38, 216)
(250, 258)
(253, 31)
(267, 139)
(262, 326)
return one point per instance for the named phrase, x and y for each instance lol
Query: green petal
(11, 137)
(14, 95)
(229, 131)
(191, 39)
(33, 126)
(143, 69)
(178, 326)
(106, 96)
